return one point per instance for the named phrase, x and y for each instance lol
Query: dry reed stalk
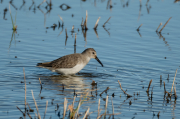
(173, 81)
(36, 115)
(106, 101)
(99, 113)
(91, 112)
(78, 108)
(149, 85)
(66, 33)
(35, 105)
(29, 115)
(61, 20)
(158, 27)
(40, 82)
(105, 90)
(45, 109)
(98, 108)
(112, 105)
(73, 101)
(169, 94)
(72, 28)
(30, 110)
(25, 89)
(65, 106)
(21, 111)
(123, 90)
(29, 106)
(106, 22)
(139, 27)
(165, 25)
(60, 32)
(86, 20)
(106, 104)
(96, 25)
(41, 3)
(158, 114)
(86, 113)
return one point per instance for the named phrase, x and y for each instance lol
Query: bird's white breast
(73, 70)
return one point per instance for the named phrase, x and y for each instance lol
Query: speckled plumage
(71, 64)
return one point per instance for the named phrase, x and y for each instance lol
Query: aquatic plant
(13, 23)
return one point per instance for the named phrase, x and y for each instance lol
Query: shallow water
(128, 56)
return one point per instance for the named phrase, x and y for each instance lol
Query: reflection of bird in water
(68, 84)
(71, 64)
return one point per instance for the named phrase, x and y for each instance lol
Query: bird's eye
(93, 52)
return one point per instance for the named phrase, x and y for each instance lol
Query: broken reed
(173, 85)
(41, 3)
(65, 106)
(96, 25)
(106, 22)
(84, 26)
(165, 25)
(123, 90)
(31, 110)
(74, 112)
(45, 109)
(40, 83)
(173, 81)
(61, 20)
(99, 111)
(106, 105)
(104, 114)
(158, 27)
(36, 105)
(112, 106)
(139, 27)
(86, 113)
(149, 85)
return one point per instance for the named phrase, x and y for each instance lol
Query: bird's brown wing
(67, 61)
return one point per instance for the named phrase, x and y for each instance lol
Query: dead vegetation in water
(128, 96)
(13, 22)
(170, 94)
(74, 111)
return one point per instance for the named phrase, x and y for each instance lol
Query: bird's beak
(98, 61)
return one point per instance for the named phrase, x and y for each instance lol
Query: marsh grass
(73, 111)
(13, 23)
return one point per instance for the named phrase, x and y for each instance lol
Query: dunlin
(71, 64)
